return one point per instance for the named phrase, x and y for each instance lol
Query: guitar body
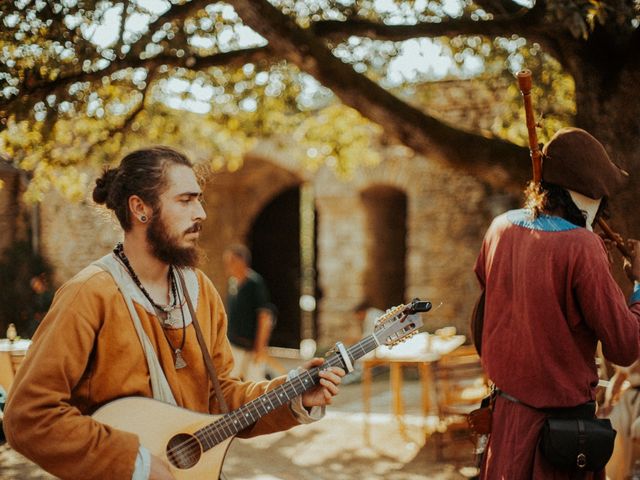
(157, 424)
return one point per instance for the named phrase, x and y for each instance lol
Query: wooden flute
(525, 84)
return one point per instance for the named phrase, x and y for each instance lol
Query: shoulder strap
(159, 384)
(211, 369)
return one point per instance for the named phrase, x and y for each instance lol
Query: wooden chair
(460, 386)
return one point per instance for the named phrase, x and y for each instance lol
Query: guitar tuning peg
(394, 310)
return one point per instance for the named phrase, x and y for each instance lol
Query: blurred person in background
(251, 315)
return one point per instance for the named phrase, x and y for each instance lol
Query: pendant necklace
(161, 310)
(180, 361)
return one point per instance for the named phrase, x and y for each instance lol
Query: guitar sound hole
(183, 451)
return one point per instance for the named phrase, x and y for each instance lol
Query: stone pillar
(341, 260)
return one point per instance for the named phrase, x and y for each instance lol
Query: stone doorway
(274, 241)
(385, 232)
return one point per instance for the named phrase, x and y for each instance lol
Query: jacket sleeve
(43, 419)
(235, 391)
(616, 324)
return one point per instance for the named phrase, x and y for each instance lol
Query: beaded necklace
(163, 310)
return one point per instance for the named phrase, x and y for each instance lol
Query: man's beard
(166, 248)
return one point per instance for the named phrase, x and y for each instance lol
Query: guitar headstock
(399, 323)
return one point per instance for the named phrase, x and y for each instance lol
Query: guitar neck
(233, 422)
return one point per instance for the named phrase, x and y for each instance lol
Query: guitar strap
(211, 369)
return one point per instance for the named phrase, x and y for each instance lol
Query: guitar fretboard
(233, 422)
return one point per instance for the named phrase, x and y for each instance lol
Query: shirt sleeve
(303, 415)
(604, 308)
(262, 294)
(142, 468)
(43, 418)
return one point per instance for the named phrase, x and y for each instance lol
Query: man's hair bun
(103, 186)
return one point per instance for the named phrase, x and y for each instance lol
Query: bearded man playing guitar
(124, 327)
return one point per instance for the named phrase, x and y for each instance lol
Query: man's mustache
(195, 228)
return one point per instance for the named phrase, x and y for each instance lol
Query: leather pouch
(577, 444)
(480, 419)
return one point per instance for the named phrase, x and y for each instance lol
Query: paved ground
(335, 448)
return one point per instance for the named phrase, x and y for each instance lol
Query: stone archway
(233, 202)
(274, 241)
(385, 211)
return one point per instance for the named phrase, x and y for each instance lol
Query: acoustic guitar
(194, 444)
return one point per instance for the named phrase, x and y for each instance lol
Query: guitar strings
(228, 423)
(186, 448)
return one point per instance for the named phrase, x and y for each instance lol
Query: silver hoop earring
(143, 219)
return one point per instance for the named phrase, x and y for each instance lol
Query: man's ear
(140, 211)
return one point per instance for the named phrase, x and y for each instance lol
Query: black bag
(577, 444)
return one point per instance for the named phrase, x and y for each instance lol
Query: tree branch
(33, 89)
(521, 21)
(120, 42)
(336, 30)
(528, 23)
(426, 135)
(124, 127)
(30, 95)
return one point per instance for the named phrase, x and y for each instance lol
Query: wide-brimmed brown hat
(575, 160)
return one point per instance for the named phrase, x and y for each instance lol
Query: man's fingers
(335, 371)
(330, 386)
(332, 375)
(314, 362)
(328, 398)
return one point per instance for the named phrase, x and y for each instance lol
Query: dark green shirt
(244, 303)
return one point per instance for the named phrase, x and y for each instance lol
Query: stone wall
(232, 201)
(471, 104)
(73, 235)
(445, 222)
(445, 218)
(446, 215)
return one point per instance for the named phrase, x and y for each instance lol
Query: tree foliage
(81, 80)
